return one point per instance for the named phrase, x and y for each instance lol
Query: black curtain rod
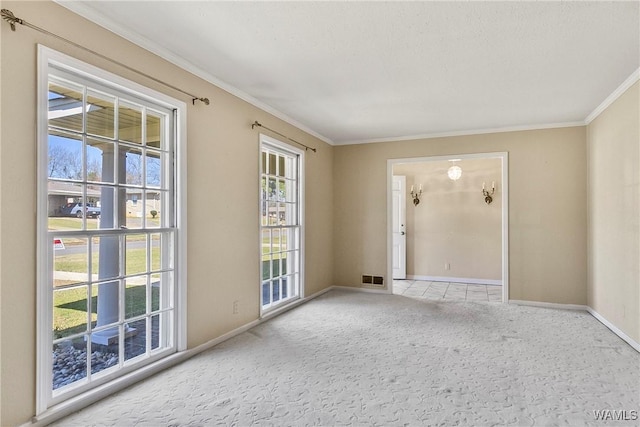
(306, 147)
(8, 16)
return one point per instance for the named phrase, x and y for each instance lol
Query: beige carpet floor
(350, 358)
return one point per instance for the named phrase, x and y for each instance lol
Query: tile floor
(447, 291)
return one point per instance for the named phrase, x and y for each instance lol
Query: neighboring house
(61, 193)
(135, 206)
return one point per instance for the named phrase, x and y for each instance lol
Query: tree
(94, 170)
(154, 170)
(64, 163)
(134, 167)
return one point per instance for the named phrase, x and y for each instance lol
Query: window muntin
(111, 237)
(280, 225)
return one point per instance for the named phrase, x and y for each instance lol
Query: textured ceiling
(362, 71)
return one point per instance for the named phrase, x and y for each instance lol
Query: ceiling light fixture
(454, 172)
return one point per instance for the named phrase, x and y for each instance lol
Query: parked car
(78, 209)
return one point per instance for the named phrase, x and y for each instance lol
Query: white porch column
(109, 258)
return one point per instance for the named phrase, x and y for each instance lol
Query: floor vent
(373, 280)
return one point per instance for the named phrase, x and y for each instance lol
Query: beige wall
(547, 199)
(223, 260)
(345, 202)
(452, 224)
(614, 213)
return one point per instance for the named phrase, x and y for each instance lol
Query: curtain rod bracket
(8, 16)
(204, 100)
(306, 147)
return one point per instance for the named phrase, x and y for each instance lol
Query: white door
(399, 219)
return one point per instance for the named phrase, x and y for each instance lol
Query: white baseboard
(83, 400)
(222, 338)
(591, 311)
(270, 315)
(456, 280)
(360, 289)
(614, 329)
(292, 305)
(78, 402)
(549, 305)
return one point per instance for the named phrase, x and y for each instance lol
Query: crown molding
(465, 133)
(153, 47)
(113, 26)
(634, 77)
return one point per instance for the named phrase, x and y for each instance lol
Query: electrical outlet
(235, 307)
(447, 266)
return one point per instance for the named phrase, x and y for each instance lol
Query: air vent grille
(372, 280)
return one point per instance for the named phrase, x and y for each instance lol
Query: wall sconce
(416, 195)
(487, 195)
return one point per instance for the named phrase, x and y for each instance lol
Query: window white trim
(268, 141)
(46, 59)
(180, 158)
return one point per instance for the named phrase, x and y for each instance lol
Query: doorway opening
(447, 227)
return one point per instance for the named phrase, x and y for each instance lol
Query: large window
(280, 223)
(108, 234)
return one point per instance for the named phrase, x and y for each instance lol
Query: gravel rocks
(70, 363)
(70, 356)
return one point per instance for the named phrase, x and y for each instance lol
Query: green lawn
(266, 272)
(64, 223)
(136, 262)
(68, 223)
(76, 263)
(70, 307)
(275, 242)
